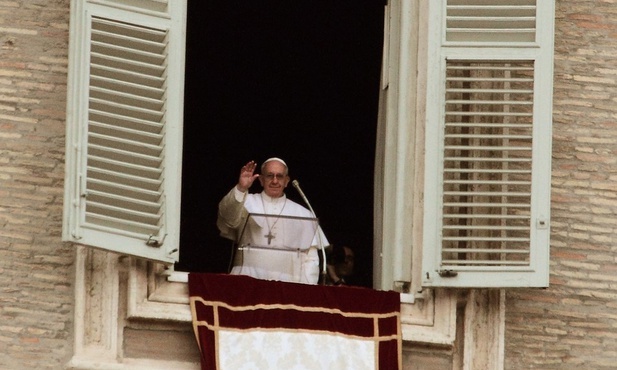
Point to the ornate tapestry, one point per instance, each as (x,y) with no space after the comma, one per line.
(243,323)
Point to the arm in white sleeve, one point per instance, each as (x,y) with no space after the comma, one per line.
(231,213)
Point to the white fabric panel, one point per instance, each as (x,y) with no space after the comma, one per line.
(293,350)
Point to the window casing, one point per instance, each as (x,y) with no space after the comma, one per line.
(488,128)
(124,123)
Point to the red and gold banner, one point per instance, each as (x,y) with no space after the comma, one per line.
(246,323)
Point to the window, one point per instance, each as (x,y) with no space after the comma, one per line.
(463,167)
(125,139)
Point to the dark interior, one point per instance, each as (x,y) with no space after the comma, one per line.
(296,79)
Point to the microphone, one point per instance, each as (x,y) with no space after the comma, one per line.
(296,185)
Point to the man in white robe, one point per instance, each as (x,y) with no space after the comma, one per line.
(278,239)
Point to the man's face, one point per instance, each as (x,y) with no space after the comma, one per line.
(345,268)
(274,179)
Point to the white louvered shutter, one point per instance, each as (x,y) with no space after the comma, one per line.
(488,143)
(124,126)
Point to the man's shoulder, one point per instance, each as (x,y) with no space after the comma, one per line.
(297,208)
(252,200)
(253,195)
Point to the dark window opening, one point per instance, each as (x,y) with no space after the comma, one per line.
(294,79)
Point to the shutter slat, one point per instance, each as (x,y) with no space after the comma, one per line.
(486,79)
(488,136)
(494,5)
(482,159)
(143,155)
(489,114)
(125,189)
(146,33)
(484,125)
(488,102)
(123,178)
(484,250)
(137,82)
(125,99)
(154,46)
(136,135)
(153,91)
(128,167)
(124,63)
(486,148)
(492,31)
(489,171)
(485,182)
(113,225)
(140,56)
(133,123)
(481,265)
(130,205)
(508,66)
(482,193)
(485,205)
(486,216)
(127,110)
(147,6)
(496,239)
(471,227)
(490,21)
(489,91)
(504,19)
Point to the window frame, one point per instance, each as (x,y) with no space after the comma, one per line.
(428,315)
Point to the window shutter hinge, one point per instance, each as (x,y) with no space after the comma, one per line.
(75,235)
(407,296)
(402,286)
(447,273)
(153,241)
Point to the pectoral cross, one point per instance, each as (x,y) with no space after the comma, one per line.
(270,236)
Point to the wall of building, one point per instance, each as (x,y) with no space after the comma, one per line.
(36,292)
(573,323)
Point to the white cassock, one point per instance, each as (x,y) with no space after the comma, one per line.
(273,247)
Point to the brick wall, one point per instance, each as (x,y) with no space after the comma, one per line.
(573,324)
(36,294)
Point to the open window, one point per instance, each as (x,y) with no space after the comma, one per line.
(463,169)
(125,134)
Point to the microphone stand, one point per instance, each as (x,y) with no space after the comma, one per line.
(323,250)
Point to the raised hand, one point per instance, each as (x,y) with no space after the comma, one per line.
(247,176)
